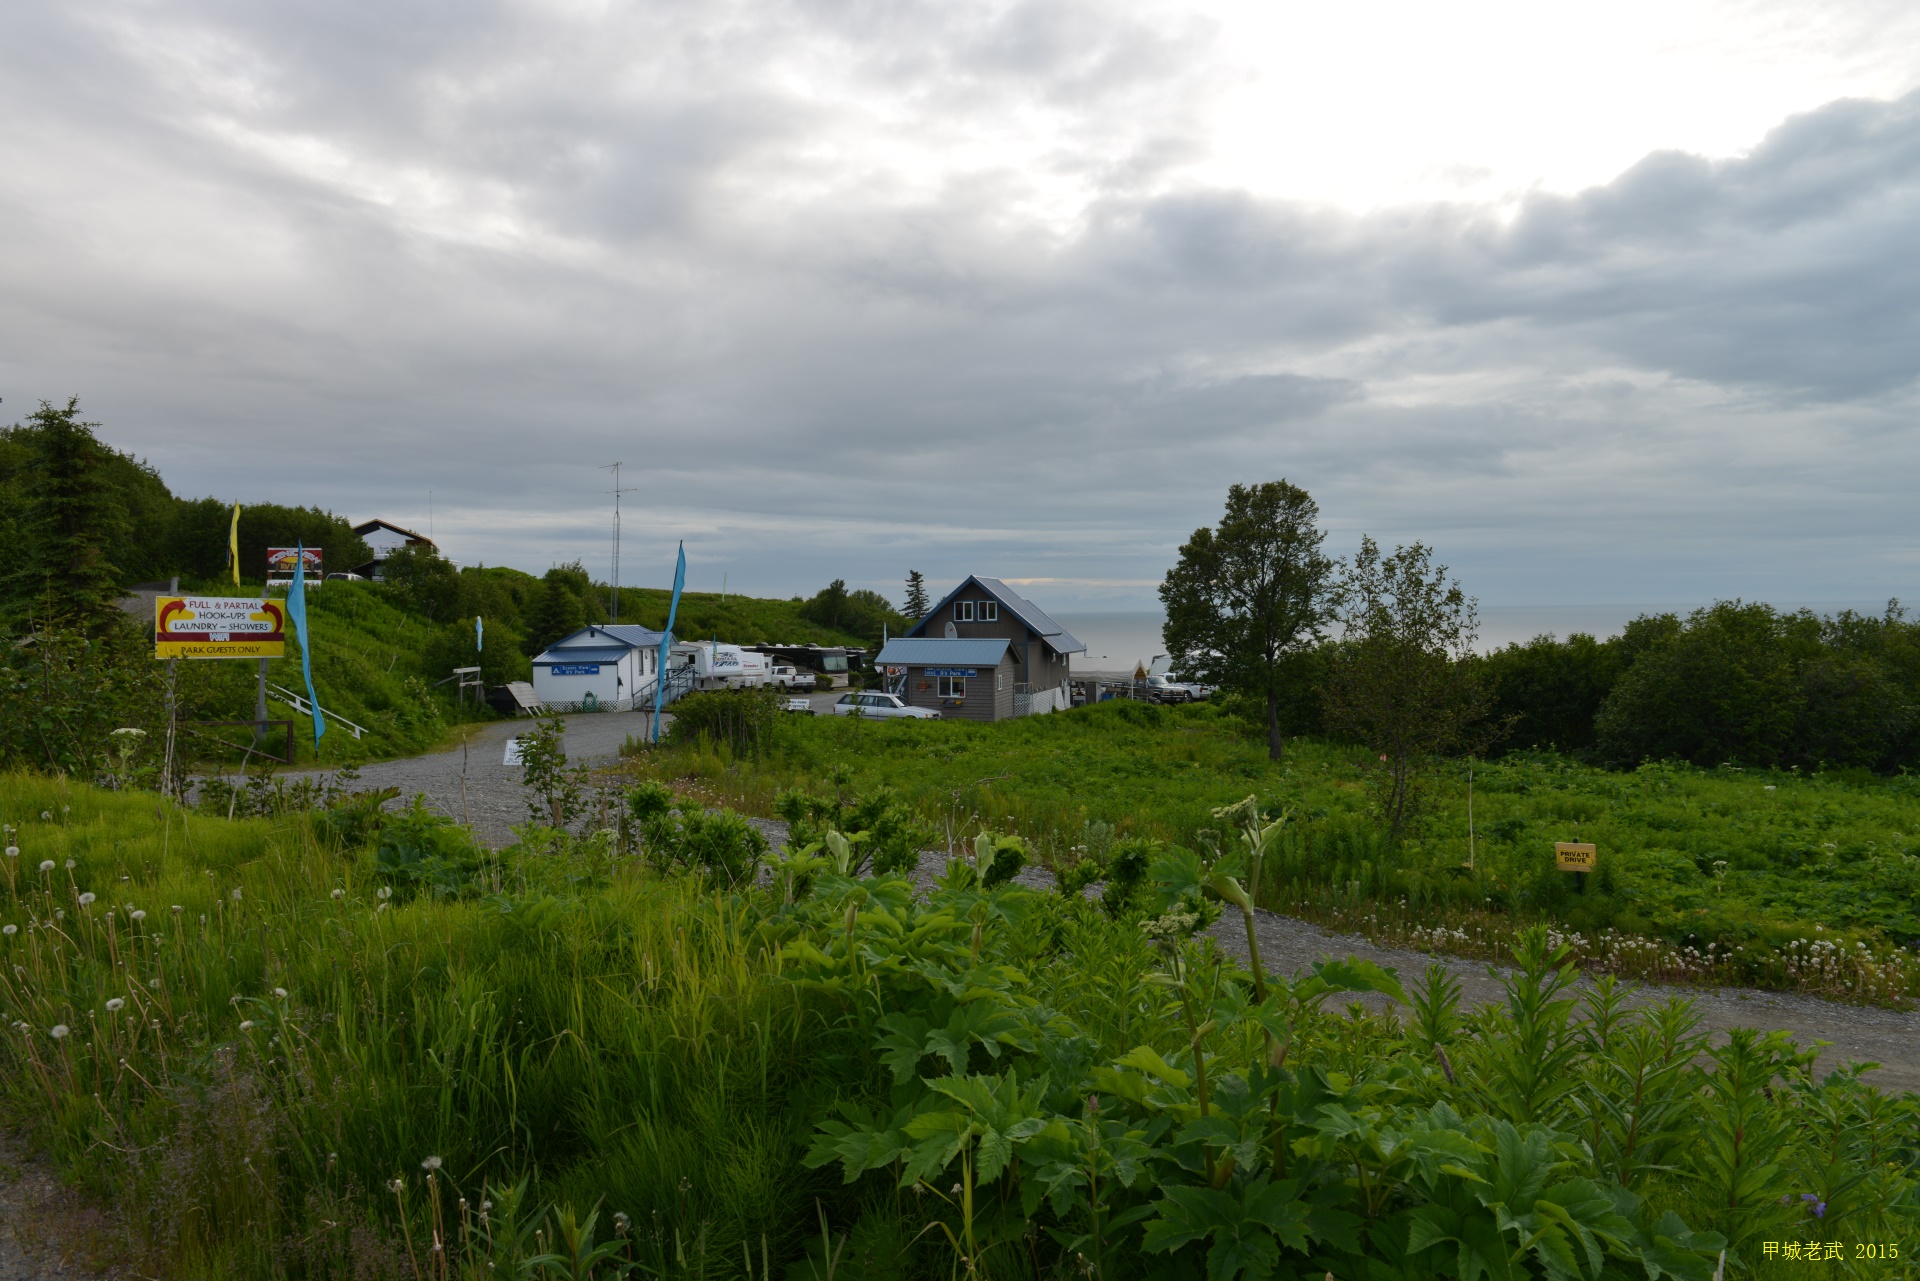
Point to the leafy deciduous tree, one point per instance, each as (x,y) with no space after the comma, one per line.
(1247,597)
(1404,680)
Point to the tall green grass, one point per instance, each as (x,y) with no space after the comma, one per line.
(1785,875)
(275,1066)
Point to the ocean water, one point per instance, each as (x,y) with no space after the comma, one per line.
(1117,641)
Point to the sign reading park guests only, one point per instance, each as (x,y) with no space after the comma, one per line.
(218,627)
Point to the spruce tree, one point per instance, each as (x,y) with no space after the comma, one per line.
(916,604)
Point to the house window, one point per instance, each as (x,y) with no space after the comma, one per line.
(989,611)
(951,686)
(963,611)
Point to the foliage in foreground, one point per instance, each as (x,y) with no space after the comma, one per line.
(282,1060)
(1806,882)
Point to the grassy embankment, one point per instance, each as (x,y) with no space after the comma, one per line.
(738,620)
(272,1068)
(1779,879)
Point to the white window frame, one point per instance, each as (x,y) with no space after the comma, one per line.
(963,611)
(950,687)
(987,611)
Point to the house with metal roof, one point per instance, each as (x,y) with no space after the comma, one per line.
(985,628)
(602,667)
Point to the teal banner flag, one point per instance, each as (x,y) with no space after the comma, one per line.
(297,611)
(666,639)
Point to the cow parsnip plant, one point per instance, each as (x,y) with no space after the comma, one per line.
(587,1062)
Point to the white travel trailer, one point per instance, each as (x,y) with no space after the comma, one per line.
(720,666)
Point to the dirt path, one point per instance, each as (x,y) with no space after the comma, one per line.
(47,1229)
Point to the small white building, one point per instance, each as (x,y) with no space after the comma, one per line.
(602,667)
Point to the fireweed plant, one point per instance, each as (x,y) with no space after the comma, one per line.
(278,1057)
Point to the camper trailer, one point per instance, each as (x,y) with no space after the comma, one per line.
(721,666)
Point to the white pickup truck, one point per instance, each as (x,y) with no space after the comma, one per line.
(788,677)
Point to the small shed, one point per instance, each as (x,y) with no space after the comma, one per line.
(604,667)
(962,679)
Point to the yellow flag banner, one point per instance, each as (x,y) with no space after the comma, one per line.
(233,544)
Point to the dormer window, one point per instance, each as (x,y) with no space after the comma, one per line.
(988,611)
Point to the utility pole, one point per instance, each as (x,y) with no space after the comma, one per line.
(616,491)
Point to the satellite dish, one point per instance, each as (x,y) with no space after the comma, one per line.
(953,633)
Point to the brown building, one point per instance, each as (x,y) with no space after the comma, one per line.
(1031,673)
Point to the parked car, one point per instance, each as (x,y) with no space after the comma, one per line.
(881,705)
(1165,689)
(800,705)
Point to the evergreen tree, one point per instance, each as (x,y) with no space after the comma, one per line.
(74,519)
(917,604)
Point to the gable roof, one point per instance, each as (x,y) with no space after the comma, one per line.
(604,641)
(366,527)
(939,651)
(1031,615)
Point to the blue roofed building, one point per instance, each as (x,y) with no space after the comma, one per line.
(983,653)
(604,667)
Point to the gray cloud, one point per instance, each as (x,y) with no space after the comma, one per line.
(809,269)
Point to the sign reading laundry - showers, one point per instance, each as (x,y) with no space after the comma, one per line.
(218,627)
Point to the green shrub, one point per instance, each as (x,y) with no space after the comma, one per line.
(424,853)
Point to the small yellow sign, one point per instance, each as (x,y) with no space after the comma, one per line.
(1572,856)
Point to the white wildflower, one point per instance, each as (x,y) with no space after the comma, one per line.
(46,865)
(59,1032)
(137,914)
(280,992)
(431,1163)
(86,900)
(115,1005)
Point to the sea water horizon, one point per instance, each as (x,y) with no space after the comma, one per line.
(1119,640)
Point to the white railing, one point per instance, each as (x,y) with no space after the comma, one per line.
(299,704)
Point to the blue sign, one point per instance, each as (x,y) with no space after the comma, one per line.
(949,671)
(575,669)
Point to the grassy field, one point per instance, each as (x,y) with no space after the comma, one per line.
(1776,878)
(301,1048)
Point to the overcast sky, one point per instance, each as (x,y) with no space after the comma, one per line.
(1607,302)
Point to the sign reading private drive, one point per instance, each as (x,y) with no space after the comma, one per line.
(218,627)
(1573,856)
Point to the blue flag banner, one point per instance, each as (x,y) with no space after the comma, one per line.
(666,639)
(297,611)
(479,636)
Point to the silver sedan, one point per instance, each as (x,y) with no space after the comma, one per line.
(881,705)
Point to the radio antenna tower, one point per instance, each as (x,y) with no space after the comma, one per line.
(616,491)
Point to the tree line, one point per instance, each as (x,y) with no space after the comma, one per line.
(1381,650)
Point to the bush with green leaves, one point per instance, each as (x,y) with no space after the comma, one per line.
(887,832)
(420,852)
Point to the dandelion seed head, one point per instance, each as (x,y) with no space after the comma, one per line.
(72,863)
(58,1032)
(236,894)
(246,1025)
(386,891)
(86,900)
(177,909)
(115,1005)
(10,930)
(337,894)
(137,914)
(431,1163)
(46,865)
(13,851)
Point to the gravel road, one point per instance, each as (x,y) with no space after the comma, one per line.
(494,800)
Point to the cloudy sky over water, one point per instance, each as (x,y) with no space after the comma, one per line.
(1607,302)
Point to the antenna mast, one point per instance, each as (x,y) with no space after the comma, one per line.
(616,491)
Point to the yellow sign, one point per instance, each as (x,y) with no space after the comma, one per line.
(1573,856)
(218,627)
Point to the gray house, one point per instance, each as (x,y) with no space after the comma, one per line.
(986,609)
(960,679)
